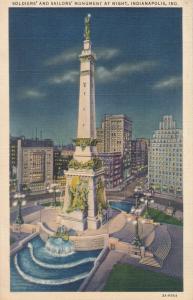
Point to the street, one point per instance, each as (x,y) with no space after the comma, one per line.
(125,194)
(128,191)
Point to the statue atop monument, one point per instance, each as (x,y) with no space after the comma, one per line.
(87,27)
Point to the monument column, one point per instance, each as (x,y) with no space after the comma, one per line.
(85,171)
(86,131)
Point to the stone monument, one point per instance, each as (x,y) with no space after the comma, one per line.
(85,200)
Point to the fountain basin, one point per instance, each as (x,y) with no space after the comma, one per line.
(34,269)
(59,247)
(121,205)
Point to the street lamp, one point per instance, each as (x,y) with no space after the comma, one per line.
(19,201)
(147,200)
(137,196)
(54,189)
(107,219)
(136,241)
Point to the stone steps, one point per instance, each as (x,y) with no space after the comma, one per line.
(150,261)
(162,243)
(83,243)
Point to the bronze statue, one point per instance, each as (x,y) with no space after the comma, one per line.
(87,27)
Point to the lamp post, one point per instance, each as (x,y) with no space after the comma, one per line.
(54,189)
(137,196)
(147,200)
(19,201)
(107,220)
(136,200)
(136,241)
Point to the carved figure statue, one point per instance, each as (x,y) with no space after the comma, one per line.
(87,27)
(78,194)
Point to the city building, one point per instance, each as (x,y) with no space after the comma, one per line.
(61,181)
(61,159)
(13,164)
(100,139)
(68,150)
(115,135)
(13,156)
(139,156)
(60,162)
(165,158)
(112,163)
(34,164)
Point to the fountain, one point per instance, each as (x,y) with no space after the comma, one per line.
(59,244)
(54,266)
(59,247)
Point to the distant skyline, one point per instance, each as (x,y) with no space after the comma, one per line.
(138,68)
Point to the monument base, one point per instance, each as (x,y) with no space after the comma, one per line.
(75,220)
(81,183)
(93,223)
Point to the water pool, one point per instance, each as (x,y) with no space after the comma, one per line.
(35,269)
(121,205)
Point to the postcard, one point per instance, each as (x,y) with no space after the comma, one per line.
(96,153)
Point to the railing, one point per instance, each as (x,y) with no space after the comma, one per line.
(23,242)
(97,263)
(45,229)
(149,239)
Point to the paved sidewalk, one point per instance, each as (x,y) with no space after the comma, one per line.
(48,216)
(99,279)
(173,264)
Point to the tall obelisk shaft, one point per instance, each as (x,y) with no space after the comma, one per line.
(86,115)
(86,132)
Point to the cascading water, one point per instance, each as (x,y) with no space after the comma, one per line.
(59,266)
(50,266)
(59,247)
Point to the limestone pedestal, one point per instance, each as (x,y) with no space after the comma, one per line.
(75,220)
(78,220)
(86,154)
(93,223)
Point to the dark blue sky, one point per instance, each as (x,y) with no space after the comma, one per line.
(138,68)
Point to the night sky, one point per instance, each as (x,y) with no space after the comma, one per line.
(138,68)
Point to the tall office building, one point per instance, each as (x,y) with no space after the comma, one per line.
(34,164)
(13,156)
(100,139)
(61,159)
(112,163)
(115,135)
(165,158)
(139,155)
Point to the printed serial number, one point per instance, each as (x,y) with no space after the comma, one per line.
(169,295)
